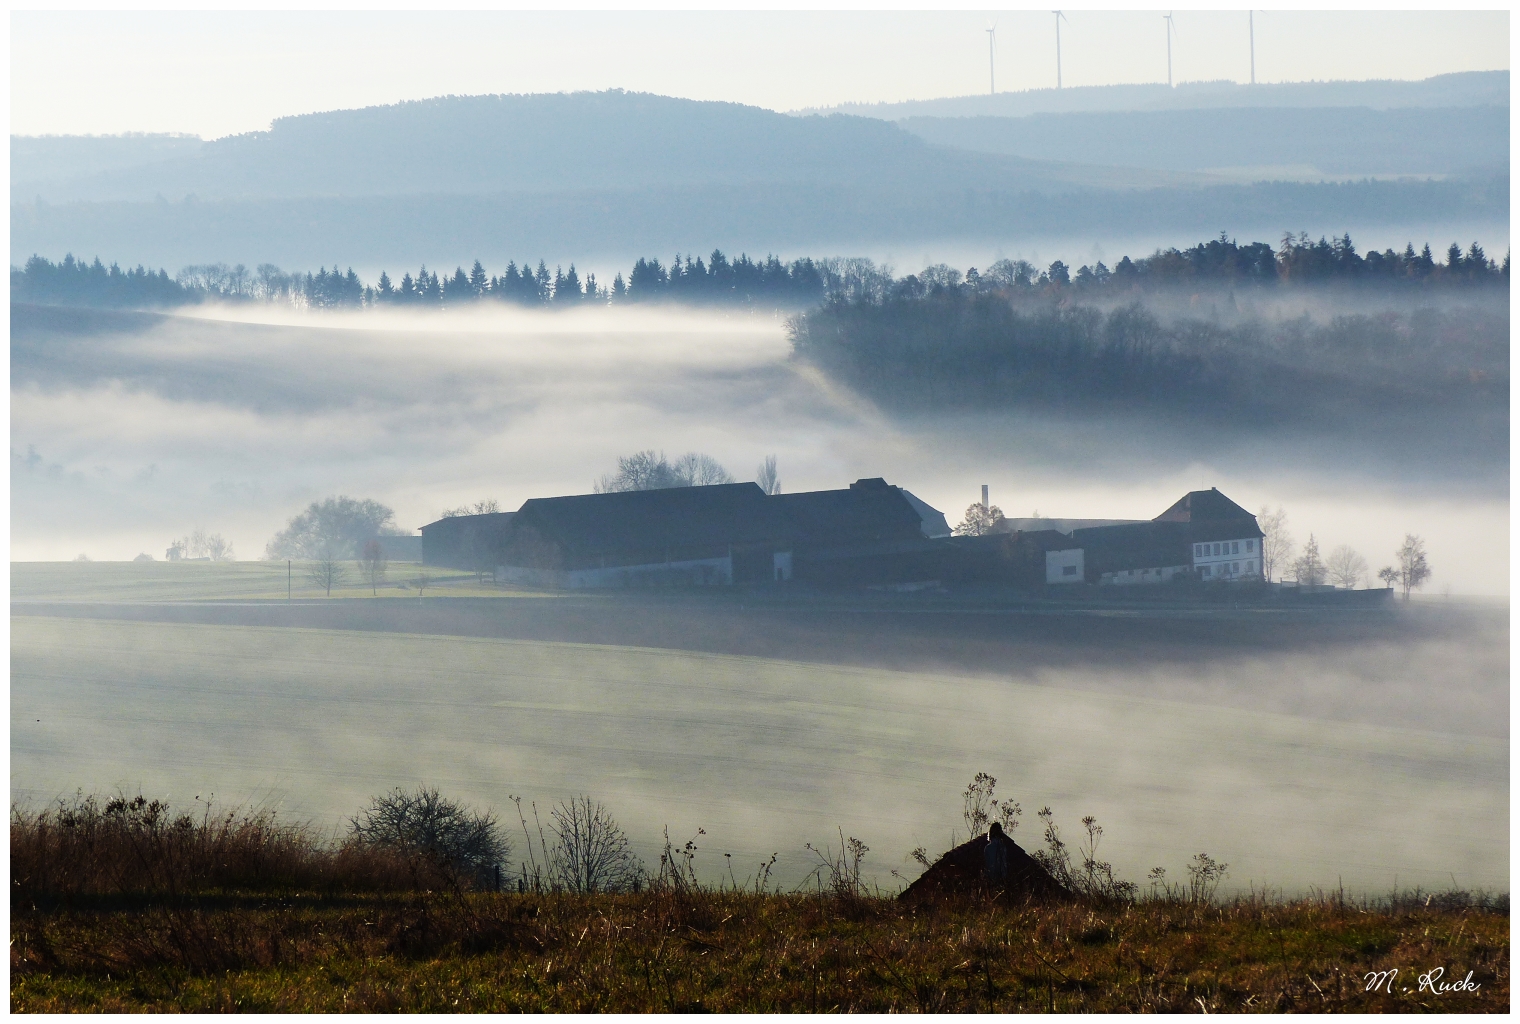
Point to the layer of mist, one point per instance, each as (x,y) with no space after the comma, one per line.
(619,223)
(129,430)
(764,755)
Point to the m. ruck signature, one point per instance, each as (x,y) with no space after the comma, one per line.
(1430,981)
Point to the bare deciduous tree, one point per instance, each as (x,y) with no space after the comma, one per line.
(372,565)
(428,823)
(1276,541)
(979,520)
(651,471)
(1413,570)
(421,581)
(591,853)
(327,572)
(480,508)
(766,476)
(1345,567)
(335,527)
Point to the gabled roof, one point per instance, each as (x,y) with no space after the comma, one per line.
(595,524)
(1203,507)
(870,510)
(932,519)
(450,524)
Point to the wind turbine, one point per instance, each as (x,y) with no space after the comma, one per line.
(1059,18)
(1252,22)
(1170,28)
(992,59)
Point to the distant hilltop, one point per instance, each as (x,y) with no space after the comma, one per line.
(1463,89)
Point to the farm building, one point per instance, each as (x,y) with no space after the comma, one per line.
(726,533)
(868,534)
(465,542)
(1203,534)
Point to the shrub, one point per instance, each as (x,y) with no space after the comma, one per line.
(463,841)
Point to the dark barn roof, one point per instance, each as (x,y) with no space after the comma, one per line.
(671,524)
(464,542)
(599,525)
(869,511)
(1203,507)
(1049,540)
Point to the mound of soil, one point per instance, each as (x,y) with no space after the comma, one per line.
(961,872)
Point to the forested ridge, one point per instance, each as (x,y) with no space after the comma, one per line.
(957,349)
(765,283)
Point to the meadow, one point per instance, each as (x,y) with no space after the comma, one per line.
(741,952)
(147,582)
(130,906)
(764,754)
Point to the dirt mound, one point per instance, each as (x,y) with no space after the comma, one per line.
(960,872)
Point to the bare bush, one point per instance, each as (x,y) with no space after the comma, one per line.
(327,572)
(135,845)
(590,851)
(468,842)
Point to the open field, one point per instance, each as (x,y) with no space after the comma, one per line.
(673,952)
(147,582)
(765,754)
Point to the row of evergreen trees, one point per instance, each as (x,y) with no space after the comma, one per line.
(768,283)
(1220,261)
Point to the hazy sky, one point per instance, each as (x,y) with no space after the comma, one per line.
(216,73)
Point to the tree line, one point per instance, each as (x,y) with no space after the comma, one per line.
(768,283)
(953,348)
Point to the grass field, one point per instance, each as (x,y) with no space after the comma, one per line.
(673,952)
(764,754)
(136,582)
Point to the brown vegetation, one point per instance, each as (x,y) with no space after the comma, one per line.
(672,951)
(125,906)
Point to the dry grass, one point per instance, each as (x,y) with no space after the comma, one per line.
(125,907)
(136,847)
(726,951)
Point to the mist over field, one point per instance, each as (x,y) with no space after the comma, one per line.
(131,429)
(1305,756)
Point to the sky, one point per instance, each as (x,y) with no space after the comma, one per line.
(218,73)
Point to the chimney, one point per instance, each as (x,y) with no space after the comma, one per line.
(984,496)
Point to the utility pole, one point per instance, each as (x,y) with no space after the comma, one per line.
(287,579)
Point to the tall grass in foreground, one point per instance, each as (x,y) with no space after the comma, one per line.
(122,847)
(673,951)
(124,905)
